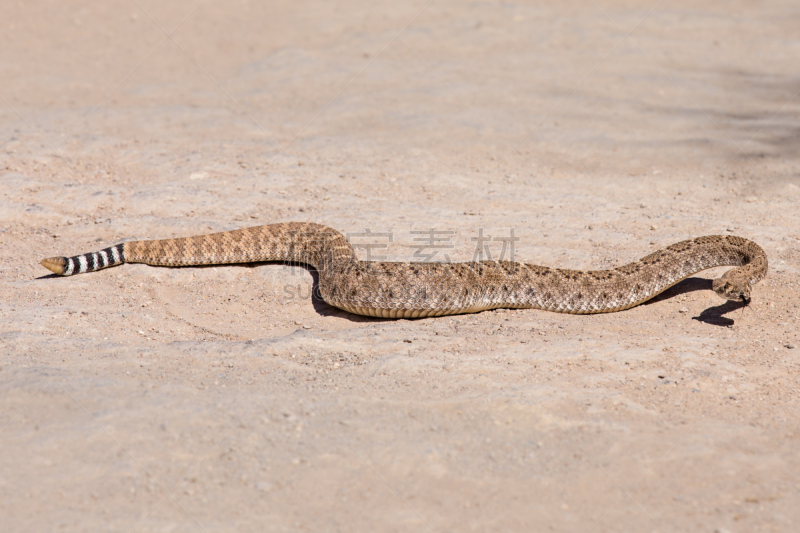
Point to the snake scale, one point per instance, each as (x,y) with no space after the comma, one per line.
(420,289)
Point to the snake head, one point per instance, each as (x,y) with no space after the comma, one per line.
(738,291)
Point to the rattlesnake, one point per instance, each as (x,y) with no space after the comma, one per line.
(420,289)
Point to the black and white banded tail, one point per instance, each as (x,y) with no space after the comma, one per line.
(67,266)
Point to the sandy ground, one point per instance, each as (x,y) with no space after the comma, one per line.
(224,399)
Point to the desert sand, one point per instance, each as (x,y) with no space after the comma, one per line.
(228,399)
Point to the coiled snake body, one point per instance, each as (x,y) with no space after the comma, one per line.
(410,290)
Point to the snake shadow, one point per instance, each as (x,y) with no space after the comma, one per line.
(320,306)
(325,309)
(713,315)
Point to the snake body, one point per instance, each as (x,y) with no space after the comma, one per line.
(419,289)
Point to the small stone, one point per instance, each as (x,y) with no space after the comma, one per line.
(306,326)
(264,486)
(653,227)
(683,310)
(790,346)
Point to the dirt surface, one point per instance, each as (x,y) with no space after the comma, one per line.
(225,399)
